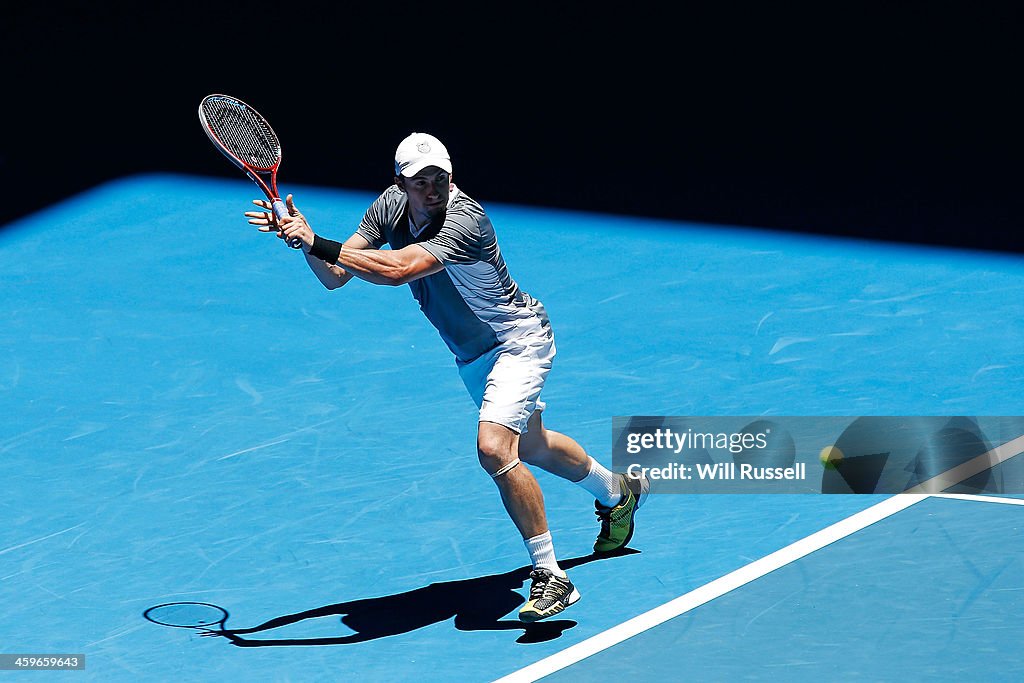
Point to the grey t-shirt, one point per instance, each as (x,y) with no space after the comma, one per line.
(474,303)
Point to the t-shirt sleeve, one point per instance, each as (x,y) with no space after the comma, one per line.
(371,228)
(458,241)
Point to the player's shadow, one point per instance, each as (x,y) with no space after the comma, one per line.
(478,604)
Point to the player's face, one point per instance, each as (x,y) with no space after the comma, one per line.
(428,192)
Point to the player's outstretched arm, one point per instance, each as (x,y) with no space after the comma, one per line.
(353,257)
(389,267)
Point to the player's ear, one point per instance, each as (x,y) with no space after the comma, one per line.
(400,183)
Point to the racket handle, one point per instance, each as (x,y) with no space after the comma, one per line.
(280,210)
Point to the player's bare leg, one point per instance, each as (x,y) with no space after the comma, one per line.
(618,496)
(550,590)
(496,447)
(552,451)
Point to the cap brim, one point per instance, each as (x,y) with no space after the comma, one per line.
(420,164)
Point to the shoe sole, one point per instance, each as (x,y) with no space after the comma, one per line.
(531,617)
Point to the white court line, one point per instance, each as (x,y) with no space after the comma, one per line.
(980,499)
(769,563)
(715,589)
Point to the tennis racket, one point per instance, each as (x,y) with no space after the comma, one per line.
(247,140)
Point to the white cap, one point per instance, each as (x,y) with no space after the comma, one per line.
(418,151)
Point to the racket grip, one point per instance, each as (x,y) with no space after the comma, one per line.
(280,210)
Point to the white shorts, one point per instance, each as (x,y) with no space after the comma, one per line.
(506,381)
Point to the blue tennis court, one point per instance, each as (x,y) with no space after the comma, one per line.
(191,417)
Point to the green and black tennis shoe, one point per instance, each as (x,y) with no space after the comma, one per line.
(617,522)
(549,595)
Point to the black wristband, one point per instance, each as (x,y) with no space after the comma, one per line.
(326,250)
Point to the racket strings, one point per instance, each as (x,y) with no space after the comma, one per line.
(242,132)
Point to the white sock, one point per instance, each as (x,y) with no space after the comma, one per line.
(602,483)
(542,553)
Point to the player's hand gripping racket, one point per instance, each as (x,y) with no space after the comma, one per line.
(248,141)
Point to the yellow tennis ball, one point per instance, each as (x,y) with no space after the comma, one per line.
(830,457)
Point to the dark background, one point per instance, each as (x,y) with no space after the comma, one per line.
(858,119)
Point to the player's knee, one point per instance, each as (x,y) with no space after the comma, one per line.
(494,454)
(491,459)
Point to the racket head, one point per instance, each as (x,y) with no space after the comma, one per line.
(200,615)
(240,132)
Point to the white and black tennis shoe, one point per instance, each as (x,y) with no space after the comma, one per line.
(549,595)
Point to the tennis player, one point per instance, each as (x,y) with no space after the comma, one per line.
(442,244)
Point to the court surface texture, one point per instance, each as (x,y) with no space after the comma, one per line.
(190,417)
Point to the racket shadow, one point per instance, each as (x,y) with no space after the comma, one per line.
(477,604)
